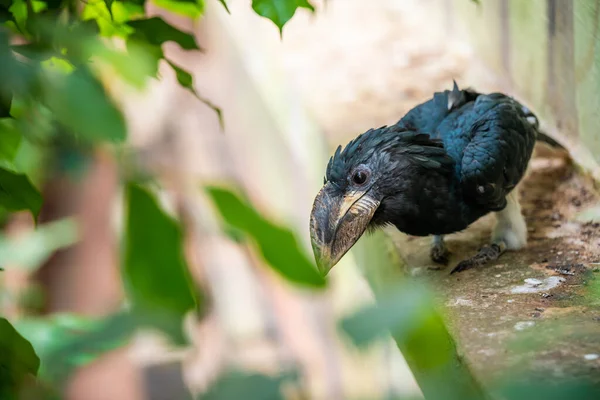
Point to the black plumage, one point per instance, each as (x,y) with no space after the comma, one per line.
(445,164)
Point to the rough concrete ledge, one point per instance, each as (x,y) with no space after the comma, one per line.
(536,311)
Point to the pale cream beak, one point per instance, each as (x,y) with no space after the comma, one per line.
(337,222)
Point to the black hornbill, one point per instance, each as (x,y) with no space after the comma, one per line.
(445,164)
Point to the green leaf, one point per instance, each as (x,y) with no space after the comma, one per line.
(186,80)
(146,51)
(109,4)
(18,360)
(5,15)
(225,5)
(79,102)
(127,11)
(399,311)
(277,244)
(235,385)
(34,51)
(31,250)
(19,12)
(279,11)
(67,341)
(156,31)
(155,271)
(5,103)
(189,8)
(135,65)
(10,139)
(59,65)
(17,193)
(110,16)
(17,77)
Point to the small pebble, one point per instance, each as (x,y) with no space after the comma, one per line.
(533,285)
(533,281)
(522,325)
(591,357)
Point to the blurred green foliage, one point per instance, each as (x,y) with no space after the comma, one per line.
(18,360)
(277,244)
(234,385)
(65,342)
(156,274)
(398,310)
(29,251)
(279,11)
(56,58)
(17,193)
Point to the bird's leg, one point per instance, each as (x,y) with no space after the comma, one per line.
(439,252)
(510,233)
(486,254)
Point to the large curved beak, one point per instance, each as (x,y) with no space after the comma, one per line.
(337,221)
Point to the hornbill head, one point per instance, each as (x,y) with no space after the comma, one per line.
(356,182)
(367,184)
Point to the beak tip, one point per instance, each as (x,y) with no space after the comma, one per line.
(324,266)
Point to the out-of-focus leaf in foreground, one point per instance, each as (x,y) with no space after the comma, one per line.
(186,80)
(224,3)
(109,16)
(189,8)
(279,11)
(135,66)
(17,193)
(235,385)
(18,360)
(79,101)
(156,31)
(11,139)
(5,104)
(399,311)
(156,274)
(66,342)
(29,251)
(277,244)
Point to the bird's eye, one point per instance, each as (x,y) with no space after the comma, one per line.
(360,177)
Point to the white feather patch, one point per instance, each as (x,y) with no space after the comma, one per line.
(511,228)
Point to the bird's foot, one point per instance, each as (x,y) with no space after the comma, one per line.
(483,256)
(439,253)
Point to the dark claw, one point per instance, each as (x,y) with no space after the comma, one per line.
(485,255)
(463,266)
(439,254)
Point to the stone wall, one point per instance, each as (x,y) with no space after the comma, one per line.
(546,52)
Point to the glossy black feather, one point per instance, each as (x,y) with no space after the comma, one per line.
(445,164)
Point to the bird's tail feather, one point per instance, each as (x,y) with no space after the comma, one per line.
(541,136)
